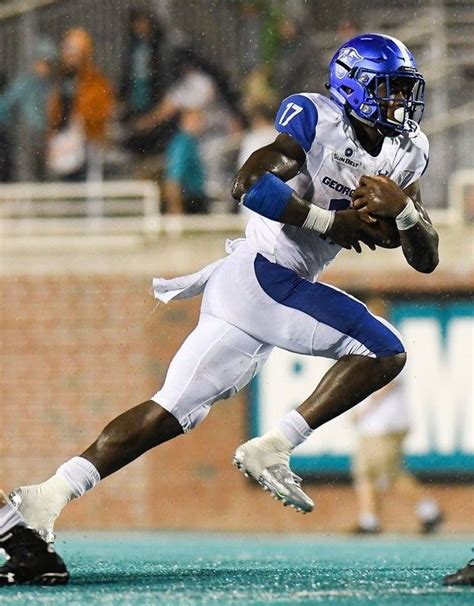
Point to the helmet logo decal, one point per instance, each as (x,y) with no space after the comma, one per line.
(349,56)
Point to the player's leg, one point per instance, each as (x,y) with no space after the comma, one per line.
(385,455)
(313,319)
(130,435)
(406,486)
(368,521)
(31,561)
(427,510)
(214,363)
(124,439)
(364,471)
(348,382)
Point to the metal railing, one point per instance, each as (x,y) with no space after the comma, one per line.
(134,207)
(15,8)
(98,208)
(79,208)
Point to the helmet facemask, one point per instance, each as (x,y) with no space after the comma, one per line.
(391,102)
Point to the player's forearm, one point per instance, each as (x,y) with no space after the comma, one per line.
(418,237)
(420,246)
(274,199)
(296,211)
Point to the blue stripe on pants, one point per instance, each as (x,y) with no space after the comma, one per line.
(328,306)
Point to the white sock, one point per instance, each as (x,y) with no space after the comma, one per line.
(80,474)
(368,521)
(42,503)
(270,449)
(427,510)
(9,517)
(295,428)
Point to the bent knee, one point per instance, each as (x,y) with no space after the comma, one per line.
(390,367)
(398,361)
(187,416)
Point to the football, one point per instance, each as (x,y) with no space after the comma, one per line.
(388,234)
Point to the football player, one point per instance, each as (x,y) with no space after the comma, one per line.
(31,560)
(343,170)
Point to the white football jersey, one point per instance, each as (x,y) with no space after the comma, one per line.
(335,161)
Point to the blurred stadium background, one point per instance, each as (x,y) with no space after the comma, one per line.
(81,336)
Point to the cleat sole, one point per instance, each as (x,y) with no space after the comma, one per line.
(50,578)
(238,464)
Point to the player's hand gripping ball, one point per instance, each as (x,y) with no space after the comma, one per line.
(386,234)
(379,200)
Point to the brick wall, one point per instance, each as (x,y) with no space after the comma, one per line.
(76,351)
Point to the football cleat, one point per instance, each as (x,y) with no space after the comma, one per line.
(276,478)
(34,507)
(31,561)
(463,576)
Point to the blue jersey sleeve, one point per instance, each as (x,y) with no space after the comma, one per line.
(298,117)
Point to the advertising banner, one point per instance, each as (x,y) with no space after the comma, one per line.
(437,384)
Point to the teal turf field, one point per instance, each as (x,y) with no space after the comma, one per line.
(186,569)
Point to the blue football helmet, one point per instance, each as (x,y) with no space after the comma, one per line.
(372,72)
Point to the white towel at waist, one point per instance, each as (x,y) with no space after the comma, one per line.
(185,287)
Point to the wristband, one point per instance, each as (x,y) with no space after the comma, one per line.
(319,219)
(408,217)
(269,196)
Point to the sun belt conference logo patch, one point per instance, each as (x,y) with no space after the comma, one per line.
(348,56)
(346,159)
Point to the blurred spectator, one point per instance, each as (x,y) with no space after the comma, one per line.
(297,66)
(223,123)
(261,132)
(5,156)
(382,424)
(81,106)
(346,30)
(468,202)
(250,23)
(148,71)
(29,94)
(259,20)
(184,184)
(257,89)
(198,85)
(145,75)
(5,145)
(193,89)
